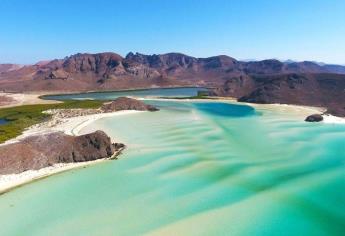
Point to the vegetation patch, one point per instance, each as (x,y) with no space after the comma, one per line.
(21,117)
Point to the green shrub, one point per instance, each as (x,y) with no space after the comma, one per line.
(22,117)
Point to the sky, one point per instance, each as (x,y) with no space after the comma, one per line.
(36,30)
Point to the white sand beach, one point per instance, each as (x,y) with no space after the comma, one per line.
(297,110)
(18,99)
(74,125)
(11,181)
(71,126)
(333,119)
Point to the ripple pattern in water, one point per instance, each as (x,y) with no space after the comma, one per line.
(195,169)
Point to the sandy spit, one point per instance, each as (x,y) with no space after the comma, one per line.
(71,126)
(25,99)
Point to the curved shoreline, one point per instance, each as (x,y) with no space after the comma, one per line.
(71,126)
(45,96)
(298,110)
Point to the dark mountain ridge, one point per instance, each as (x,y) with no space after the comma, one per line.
(318,89)
(266,81)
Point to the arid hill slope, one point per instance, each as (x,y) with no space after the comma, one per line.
(322,90)
(266,81)
(106,71)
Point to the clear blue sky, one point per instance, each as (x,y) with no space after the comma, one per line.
(33,30)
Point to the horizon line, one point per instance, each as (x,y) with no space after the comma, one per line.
(241,60)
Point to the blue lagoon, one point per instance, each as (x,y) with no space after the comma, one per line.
(195,168)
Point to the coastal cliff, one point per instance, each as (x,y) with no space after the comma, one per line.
(36,152)
(319,90)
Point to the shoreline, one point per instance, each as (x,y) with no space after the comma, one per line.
(298,110)
(44,95)
(13,181)
(301,111)
(70,126)
(330,119)
(20,99)
(74,125)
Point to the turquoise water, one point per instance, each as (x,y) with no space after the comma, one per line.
(195,168)
(158,92)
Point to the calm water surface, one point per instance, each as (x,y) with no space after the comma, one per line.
(158,92)
(195,168)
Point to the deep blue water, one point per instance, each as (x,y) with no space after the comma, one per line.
(225,109)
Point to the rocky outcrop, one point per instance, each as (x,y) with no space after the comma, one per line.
(57,74)
(320,90)
(267,81)
(314,118)
(36,152)
(125,103)
(106,71)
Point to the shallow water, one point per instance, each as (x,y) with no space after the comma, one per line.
(195,168)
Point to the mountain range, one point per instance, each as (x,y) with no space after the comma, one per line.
(266,81)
